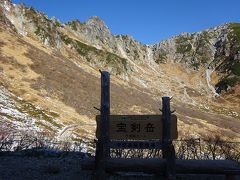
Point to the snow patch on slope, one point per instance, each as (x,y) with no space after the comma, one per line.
(9,112)
(208,79)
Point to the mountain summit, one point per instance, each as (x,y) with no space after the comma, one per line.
(50,81)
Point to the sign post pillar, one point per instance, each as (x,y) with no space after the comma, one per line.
(168,150)
(103,149)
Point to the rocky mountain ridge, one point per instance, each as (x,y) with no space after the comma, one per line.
(56,61)
(196,49)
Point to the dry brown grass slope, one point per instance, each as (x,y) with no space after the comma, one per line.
(55,83)
(70,88)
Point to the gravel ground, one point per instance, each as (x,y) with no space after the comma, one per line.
(51,166)
(42,167)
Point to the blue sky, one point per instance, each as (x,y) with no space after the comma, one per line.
(148,21)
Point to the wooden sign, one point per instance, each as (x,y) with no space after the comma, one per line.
(137,127)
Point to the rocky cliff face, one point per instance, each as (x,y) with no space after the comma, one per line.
(45,58)
(216,48)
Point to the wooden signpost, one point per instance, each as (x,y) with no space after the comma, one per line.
(133,132)
(145,132)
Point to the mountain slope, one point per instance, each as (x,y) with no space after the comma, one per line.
(53,69)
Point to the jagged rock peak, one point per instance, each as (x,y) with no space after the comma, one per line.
(96,21)
(93,22)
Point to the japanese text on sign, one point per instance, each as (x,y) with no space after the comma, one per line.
(138,127)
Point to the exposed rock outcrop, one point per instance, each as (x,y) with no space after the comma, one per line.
(59,63)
